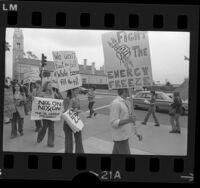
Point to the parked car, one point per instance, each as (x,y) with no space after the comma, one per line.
(83,90)
(163,101)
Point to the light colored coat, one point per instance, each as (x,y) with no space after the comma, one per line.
(19,107)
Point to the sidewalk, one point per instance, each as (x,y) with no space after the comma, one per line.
(96,137)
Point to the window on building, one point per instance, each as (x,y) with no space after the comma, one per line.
(101,81)
(84,81)
(18,45)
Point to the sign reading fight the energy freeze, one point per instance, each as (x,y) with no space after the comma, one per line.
(45,108)
(67,70)
(127,59)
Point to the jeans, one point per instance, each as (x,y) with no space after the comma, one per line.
(69,140)
(90,106)
(38,124)
(174,120)
(121,147)
(151,111)
(14,121)
(47,124)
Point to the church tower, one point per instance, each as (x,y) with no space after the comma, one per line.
(18,50)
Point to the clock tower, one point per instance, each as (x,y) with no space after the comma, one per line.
(18,51)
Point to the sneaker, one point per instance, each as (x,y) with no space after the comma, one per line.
(143,123)
(89,117)
(157,125)
(172,131)
(179,132)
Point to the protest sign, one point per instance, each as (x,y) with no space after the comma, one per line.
(45,108)
(9,106)
(31,76)
(52,78)
(127,59)
(67,70)
(73,120)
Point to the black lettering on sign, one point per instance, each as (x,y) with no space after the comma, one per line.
(68,56)
(63,81)
(117,84)
(116,73)
(138,82)
(123,37)
(74,73)
(62,73)
(111,84)
(74,116)
(145,70)
(122,73)
(110,74)
(57,56)
(137,73)
(138,52)
(129,73)
(124,83)
(130,82)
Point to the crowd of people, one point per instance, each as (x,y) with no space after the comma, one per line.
(22,102)
(122,116)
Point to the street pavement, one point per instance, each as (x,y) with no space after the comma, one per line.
(97,134)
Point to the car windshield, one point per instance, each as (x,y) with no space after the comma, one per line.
(165,97)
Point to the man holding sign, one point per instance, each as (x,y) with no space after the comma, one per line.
(122,120)
(128,65)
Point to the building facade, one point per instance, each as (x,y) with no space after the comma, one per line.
(89,74)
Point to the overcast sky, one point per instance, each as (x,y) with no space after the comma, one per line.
(167,49)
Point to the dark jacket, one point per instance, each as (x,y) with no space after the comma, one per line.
(177,105)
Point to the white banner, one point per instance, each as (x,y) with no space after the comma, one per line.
(31,76)
(67,70)
(52,78)
(73,120)
(127,59)
(45,108)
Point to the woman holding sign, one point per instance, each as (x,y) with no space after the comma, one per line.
(18,116)
(72,101)
(47,124)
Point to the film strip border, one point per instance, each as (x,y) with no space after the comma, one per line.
(110,17)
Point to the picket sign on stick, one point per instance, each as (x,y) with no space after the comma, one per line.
(127,61)
(67,70)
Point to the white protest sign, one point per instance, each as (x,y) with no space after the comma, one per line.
(45,108)
(52,78)
(73,120)
(67,70)
(31,76)
(127,59)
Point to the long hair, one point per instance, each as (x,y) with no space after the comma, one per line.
(45,86)
(32,84)
(20,88)
(69,93)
